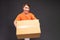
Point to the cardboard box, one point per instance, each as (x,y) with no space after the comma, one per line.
(28,29)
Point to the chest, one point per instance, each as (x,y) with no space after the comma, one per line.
(25,17)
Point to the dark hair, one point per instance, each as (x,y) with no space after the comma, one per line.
(26,4)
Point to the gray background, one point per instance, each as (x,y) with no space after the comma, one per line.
(46,11)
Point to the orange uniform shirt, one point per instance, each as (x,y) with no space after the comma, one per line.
(24,16)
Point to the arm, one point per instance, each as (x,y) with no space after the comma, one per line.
(15,23)
(17,19)
(33,16)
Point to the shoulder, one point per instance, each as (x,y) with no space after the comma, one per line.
(31,13)
(20,14)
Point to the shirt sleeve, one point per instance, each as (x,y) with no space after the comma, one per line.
(33,16)
(18,17)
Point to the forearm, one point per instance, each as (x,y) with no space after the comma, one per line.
(15,23)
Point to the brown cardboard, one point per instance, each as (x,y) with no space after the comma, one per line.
(28,29)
